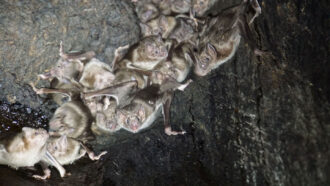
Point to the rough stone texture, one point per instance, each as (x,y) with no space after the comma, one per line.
(31,31)
(253,121)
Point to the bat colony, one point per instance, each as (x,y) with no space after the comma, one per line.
(97,99)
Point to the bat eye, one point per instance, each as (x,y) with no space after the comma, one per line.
(55,148)
(206,59)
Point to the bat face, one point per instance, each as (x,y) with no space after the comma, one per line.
(162,72)
(106,119)
(65,150)
(156,48)
(162,25)
(181,6)
(205,59)
(35,137)
(129,122)
(57,146)
(105,123)
(132,118)
(146,12)
(183,32)
(57,124)
(150,29)
(66,69)
(70,119)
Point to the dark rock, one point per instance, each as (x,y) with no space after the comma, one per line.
(253,121)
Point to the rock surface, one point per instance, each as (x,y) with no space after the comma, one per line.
(31,32)
(253,121)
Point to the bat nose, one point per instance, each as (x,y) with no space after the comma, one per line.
(135,128)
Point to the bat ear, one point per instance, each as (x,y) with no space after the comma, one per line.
(2,148)
(145,29)
(25,129)
(146,15)
(63,142)
(162,20)
(211,50)
(159,37)
(188,58)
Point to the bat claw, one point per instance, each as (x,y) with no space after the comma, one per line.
(38,177)
(171,132)
(120,49)
(44,177)
(262,53)
(66,175)
(184,86)
(36,90)
(93,157)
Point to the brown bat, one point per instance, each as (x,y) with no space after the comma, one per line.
(120,92)
(146,10)
(74,117)
(144,108)
(168,7)
(200,7)
(174,70)
(125,75)
(71,119)
(67,150)
(145,55)
(96,75)
(184,31)
(28,148)
(180,6)
(69,66)
(164,6)
(105,120)
(64,93)
(162,25)
(221,37)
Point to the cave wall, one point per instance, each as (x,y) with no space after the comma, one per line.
(252,121)
(31,32)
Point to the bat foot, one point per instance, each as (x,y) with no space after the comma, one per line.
(36,90)
(67,174)
(93,157)
(184,86)
(171,132)
(44,177)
